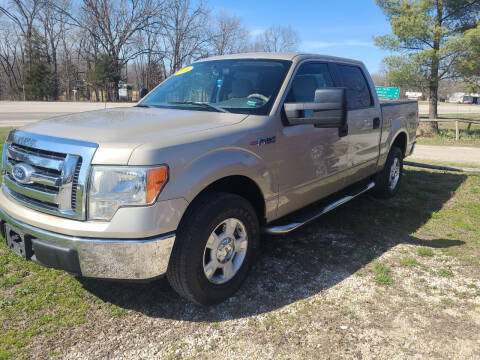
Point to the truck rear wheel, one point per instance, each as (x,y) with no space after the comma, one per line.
(214,249)
(387,181)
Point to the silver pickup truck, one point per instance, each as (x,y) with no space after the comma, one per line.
(185,182)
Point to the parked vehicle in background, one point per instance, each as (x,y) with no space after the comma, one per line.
(184,183)
(462,98)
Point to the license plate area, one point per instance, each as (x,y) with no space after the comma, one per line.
(18,242)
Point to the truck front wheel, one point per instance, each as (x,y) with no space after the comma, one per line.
(387,181)
(214,249)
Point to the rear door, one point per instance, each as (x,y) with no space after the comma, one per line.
(364,121)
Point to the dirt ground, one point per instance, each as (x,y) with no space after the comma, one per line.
(396,279)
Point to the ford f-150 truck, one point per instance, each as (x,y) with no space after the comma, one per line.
(185,182)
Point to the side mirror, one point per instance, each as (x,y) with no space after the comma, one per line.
(328,111)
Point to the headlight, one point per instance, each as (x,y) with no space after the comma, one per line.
(114,187)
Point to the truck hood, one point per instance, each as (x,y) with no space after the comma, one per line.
(119,131)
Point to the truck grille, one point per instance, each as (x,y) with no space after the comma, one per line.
(39,175)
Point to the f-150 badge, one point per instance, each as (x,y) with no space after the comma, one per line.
(264,141)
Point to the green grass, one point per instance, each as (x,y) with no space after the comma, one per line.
(445,163)
(425,252)
(409,262)
(382,274)
(3,133)
(446,134)
(445,273)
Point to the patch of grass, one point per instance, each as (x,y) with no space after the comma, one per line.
(3,133)
(382,274)
(446,134)
(425,252)
(409,262)
(117,311)
(445,273)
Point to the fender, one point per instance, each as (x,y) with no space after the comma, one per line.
(398,127)
(218,164)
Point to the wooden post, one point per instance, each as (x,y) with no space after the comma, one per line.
(457,135)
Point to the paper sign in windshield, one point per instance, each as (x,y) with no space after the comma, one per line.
(184,70)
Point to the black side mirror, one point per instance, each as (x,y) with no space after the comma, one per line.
(328,111)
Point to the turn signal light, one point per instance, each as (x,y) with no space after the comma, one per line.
(156,179)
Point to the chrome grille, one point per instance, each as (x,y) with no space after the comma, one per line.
(46,173)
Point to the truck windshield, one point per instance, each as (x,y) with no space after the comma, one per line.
(245,86)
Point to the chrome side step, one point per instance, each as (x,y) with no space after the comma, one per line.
(282,229)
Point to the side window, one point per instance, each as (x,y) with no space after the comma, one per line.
(309,78)
(358,93)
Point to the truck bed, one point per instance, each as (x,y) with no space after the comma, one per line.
(401,111)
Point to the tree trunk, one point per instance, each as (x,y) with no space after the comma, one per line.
(432,127)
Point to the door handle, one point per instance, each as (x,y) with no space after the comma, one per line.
(376,123)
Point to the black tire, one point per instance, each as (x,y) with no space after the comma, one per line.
(185,271)
(383,186)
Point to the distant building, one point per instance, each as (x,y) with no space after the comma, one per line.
(463,98)
(413,95)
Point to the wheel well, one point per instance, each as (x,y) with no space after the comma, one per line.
(241,186)
(401,142)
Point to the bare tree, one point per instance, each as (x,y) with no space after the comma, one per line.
(185,32)
(54,28)
(10,59)
(228,35)
(24,13)
(50,47)
(278,39)
(113,24)
(149,64)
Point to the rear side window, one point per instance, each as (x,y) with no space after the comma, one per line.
(309,77)
(358,93)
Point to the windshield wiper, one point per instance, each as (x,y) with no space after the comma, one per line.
(143,106)
(197,103)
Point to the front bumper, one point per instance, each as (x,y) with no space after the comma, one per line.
(122,259)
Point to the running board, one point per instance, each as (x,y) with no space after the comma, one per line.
(283,229)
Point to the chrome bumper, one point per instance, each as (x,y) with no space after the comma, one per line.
(122,259)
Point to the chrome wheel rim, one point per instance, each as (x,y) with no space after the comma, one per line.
(394,174)
(225,251)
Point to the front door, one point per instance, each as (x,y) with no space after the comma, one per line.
(311,159)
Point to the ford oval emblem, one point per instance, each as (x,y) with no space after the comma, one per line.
(22,173)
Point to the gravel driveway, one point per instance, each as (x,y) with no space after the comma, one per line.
(375,279)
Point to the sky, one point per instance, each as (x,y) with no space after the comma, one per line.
(330,27)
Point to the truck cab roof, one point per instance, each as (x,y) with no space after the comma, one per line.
(282,56)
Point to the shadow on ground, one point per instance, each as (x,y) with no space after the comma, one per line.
(312,259)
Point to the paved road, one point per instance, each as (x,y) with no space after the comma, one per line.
(447,154)
(15,119)
(17,113)
(451,108)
